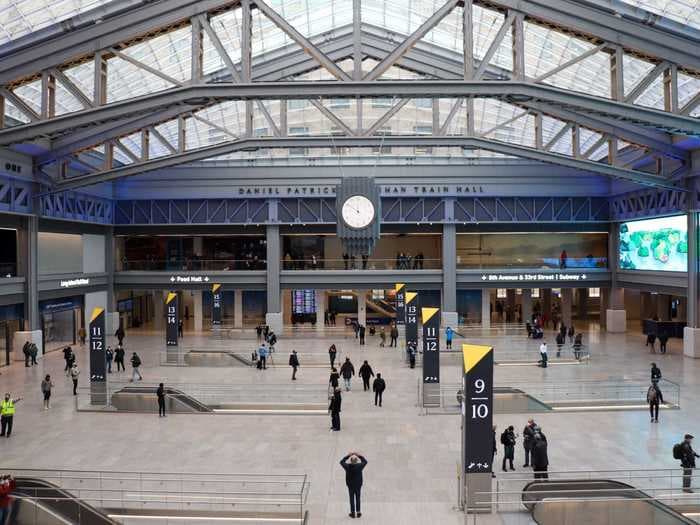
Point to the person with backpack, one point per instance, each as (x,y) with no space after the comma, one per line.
(332,353)
(540,459)
(26,352)
(353,464)
(685,453)
(528,440)
(654,398)
(655,373)
(67,351)
(119,355)
(74,373)
(46,386)
(334,409)
(109,356)
(294,363)
(334,378)
(508,442)
(394,335)
(366,373)
(347,371)
(449,333)
(136,365)
(378,386)
(262,357)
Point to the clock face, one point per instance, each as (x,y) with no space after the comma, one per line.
(358,212)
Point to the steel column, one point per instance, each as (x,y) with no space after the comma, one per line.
(273,269)
(31,301)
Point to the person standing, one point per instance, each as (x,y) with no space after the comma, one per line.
(109,355)
(528,440)
(82,335)
(571,333)
(448,337)
(494,451)
(366,373)
(334,379)
(262,357)
(119,355)
(46,386)
(378,386)
(361,331)
(655,373)
(7,487)
(136,365)
(294,363)
(26,352)
(347,371)
(684,451)
(161,400)
(67,351)
(543,354)
(382,337)
(7,414)
(651,340)
(334,409)
(74,373)
(560,339)
(578,346)
(394,335)
(332,352)
(508,442)
(663,340)
(353,464)
(119,334)
(540,460)
(180,328)
(258,331)
(654,398)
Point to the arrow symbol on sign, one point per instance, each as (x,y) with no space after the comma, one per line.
(172,279)
(206,279)
(471,466)
(483,277)
(584,276)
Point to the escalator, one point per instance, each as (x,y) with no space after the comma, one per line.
(601,502)
(38,502)
(381,308)
(143,399)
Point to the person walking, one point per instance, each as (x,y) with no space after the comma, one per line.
(334,379)
(262,357)
(180,328)
(119,355)
(543,354)
(67,351)
(334,409)
(272,340)
(46,386)
(663,340)
(109,356)
(294,363)
(366,373)
(571,333)
(528,440)
(382,337)
(82,335)
(361,331)
(654,398)
(160,393)
(136,365)
(684,451)
(508,442)
(7,414)
(394,335)
(448,337)
(74,373)
(578,346)
(560,340)
(258,331)
(332,353)
(119,334)
(655,373)
(494,451)
(7,487)
(356,328)
(651,340)
(347,371)
(27,354)
(353,464)
(378,386)
(540,460)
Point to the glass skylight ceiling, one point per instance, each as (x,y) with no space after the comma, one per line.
(169,53)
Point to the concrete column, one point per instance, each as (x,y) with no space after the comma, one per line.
(616,315)
(582,303)
(159,309)
(527,304)
(510,305)
(691,333)
(320,308)
(604,305)
(31,274)
(567,302)
(362,307)
(111,313)
(273,318)
(486,308)
(238,308)
(198,310)
(546,294)
(449,275)
(287,306)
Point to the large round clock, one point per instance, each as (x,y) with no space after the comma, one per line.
(358,212)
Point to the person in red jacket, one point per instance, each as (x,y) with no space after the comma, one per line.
(7,486)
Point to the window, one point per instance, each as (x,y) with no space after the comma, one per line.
(536,293)
(384,131)
(423,130)
(297,104)
(425,103)
(501,293)
(338,150)
(261,132)
(298,131)
(594,292)
(381,102)
(340,103)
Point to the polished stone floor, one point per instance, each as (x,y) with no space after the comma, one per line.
(413,458)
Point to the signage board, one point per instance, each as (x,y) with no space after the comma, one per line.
(477,408)
(431,345)
(530,277)
(411,322)
(400,299)
(172,319)
(98,357)
(72,283)
(216,304)
(189,279)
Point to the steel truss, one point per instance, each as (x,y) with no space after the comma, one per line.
(616,118)
(652,203)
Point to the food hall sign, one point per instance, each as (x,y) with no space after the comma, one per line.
(524,277)
(189,279)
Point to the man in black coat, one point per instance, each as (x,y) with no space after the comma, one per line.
(378,386)
(655,373)
(334,408)
(540,460)
(347,371)
(294,363)
(366,373)
(354,464)
(361,331)
(528,439)
(688,456)
(394,335)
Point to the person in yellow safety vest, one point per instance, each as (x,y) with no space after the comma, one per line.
(7,412)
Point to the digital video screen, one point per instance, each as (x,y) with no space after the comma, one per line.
(655,244)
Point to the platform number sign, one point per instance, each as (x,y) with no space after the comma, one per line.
(411,322)
(98,356)
(400,298)
(172,319)
(217,300)
(477,411)
(431,345)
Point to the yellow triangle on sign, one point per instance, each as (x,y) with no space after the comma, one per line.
(473,354)
(95,313)
(215,288)
(170,297)
(427,313)
(410,296)
(399,286)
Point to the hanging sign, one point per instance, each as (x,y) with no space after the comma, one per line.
(217,300)
(400,303)
(477,412)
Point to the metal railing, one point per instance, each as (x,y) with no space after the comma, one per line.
(190,265)
(209,394)
(125,492)
(539,263)
(357,263)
